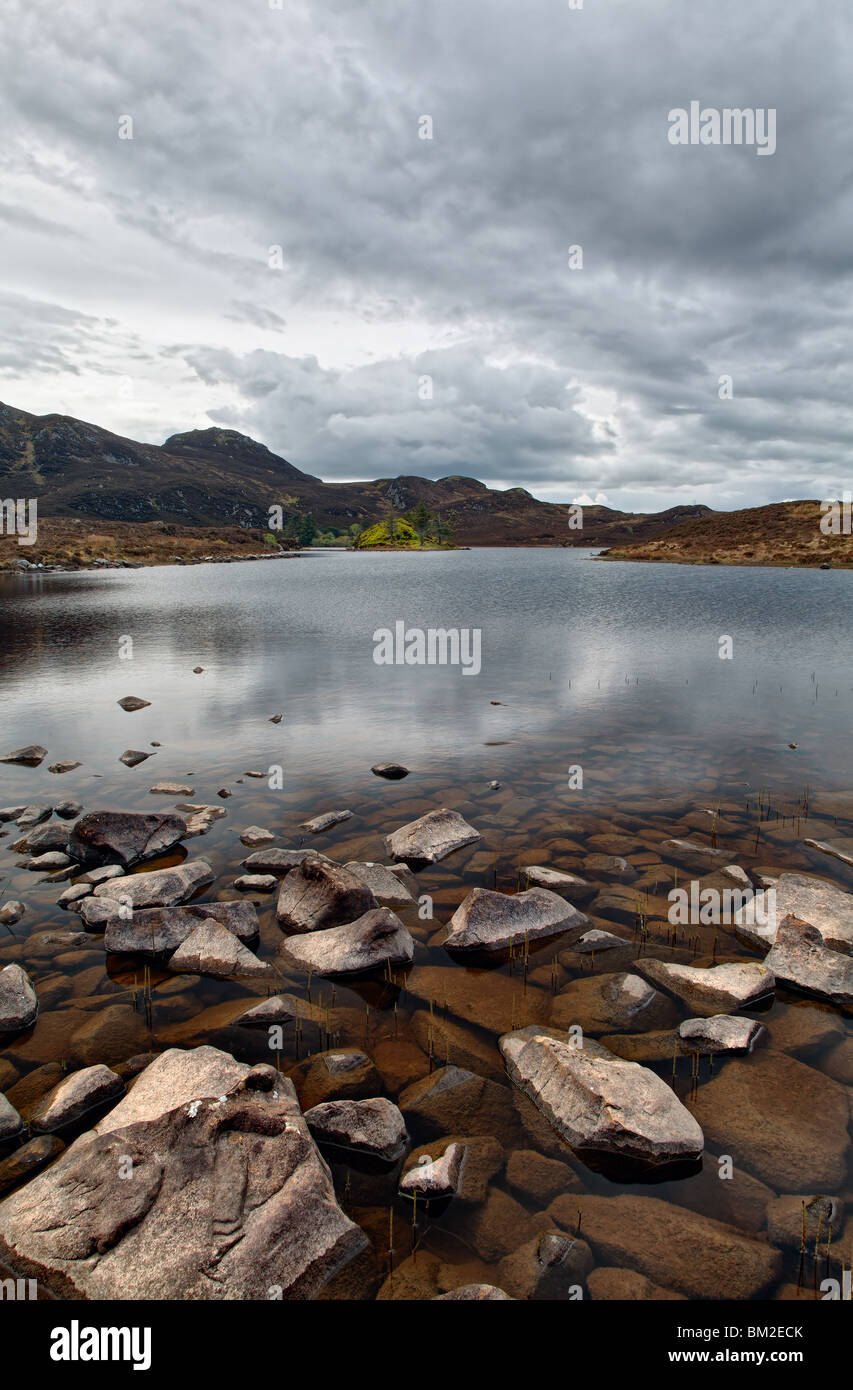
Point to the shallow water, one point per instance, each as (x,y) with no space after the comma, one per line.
(612,668)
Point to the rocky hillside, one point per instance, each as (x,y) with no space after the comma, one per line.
(781,533)
(217,477)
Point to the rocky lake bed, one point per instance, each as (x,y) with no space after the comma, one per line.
(446,1043)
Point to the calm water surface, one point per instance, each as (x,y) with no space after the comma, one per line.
(610,667)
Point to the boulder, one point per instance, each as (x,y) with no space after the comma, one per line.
(387,888)
(49,862)
(715,989)
(392,771)
(375,1127)
(489,921)
(229,1200)
(11,912)
(814,900)
(161,887)
(318,894)
(124,837)
(800,960)
(211,949)
(378,938)
(133,702)
(18,1002)
(158,930)
(675,1248)
(82,1091)
(482,1160)
(431,838)
(45,839)
(601,1105)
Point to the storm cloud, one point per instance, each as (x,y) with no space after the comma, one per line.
(279,250)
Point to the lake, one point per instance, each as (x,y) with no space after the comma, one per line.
(603,709)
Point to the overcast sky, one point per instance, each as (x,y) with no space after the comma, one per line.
(136,279)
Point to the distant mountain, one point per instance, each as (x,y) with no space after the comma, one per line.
(217,477)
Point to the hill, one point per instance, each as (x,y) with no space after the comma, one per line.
(781,533)
(221,478)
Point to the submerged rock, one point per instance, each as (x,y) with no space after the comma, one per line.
(601,1104)
(211,949)
(431,838)
(378,938)
(229,1199)
(552,1266)
(617,1002)
(156,931)
(124,837)
(673,1247)
(161,887)
(474,1293)
(817,1219)
(27,1160)
(78,1093)
(319,893)
(489,921)
(18,1001)
(11,912)
(324,822)
(688,854)
(374,1127)
(713,990)
(66,765)
(30,756)
(800,960)
(783,1121)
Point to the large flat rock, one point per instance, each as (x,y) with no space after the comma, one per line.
(124,837)
(801,960)
(489,921)
(431,838)
(162,888)
(615,1002)
(810,899)
(376,939)
(229,1199)
(710,990)
(158,930)
(601,1104)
